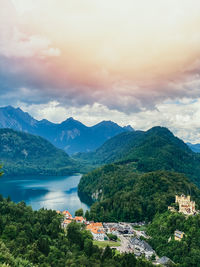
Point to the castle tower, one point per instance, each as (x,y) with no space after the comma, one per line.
(186,206)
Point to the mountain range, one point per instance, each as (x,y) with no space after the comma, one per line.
(70,135)
(26,154)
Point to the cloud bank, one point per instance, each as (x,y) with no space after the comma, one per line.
(114,57)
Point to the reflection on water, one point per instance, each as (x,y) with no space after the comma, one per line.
(54,192)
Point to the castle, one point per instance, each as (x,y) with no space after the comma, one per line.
(186,206)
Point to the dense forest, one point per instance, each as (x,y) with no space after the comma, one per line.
(185,252)
(120,193)
(22,153)
(35,238)
(155,149)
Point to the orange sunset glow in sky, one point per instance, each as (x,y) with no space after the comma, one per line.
(123,60)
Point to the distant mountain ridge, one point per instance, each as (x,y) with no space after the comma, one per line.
(26,154)
(70,135)
(194,147)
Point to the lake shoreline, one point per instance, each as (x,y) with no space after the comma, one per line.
(49,192)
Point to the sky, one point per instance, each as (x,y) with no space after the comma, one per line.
(134,62)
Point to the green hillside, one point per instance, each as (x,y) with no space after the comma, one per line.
(22,153)
(155,149)
(123,194)
(114,149)
(185,252)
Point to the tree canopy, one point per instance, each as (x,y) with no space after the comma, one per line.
(185,252)
(36,238)
(120,193)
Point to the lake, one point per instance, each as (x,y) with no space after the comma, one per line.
(52,192)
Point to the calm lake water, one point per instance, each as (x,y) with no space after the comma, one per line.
(58,193)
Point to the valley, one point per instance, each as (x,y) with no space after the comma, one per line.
(131,178)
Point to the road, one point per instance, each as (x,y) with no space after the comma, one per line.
(125,244)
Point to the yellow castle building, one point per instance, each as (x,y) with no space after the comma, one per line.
(186,206)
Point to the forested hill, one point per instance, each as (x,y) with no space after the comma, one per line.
(122,194)
(185,253)
(155,149)
(22,153)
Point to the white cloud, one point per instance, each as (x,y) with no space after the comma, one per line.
(117,59)
(18,44)
(21,46)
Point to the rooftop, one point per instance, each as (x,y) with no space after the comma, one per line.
(97,231)
(141,243)
(79,218)
(165,260)
(66,212)
(179,232)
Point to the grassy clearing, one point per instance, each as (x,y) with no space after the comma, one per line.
(140,228)
(103,244)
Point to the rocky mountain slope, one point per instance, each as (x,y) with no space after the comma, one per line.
(70,135)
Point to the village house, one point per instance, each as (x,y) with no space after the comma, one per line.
(165,261)
(67,215)
(98,234)
(79,219)
(66,222)
(112,230)
(142,247)
(97,230)
(95,225)
(178,235)
(118,228)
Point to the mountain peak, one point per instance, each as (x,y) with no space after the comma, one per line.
(45,122)
(160,129)
(105,123)
(16,118)
(7,107)
(11,108)
(71,122)
(70,119)
(128,128)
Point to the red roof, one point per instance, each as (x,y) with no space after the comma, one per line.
(66,212)
(97,231)
(79,218)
